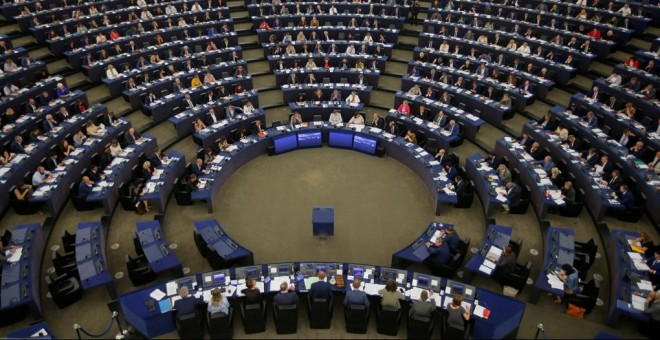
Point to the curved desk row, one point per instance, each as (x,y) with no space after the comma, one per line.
(311,109)
(503,321)
(597,196)
(391,35)
(332,75)
(22,164)
(18,100)
(57,10)
(559,249)
(90,257)
(487,184)
(340,45)
(169,105)
(54,193)
(152,242)
(543,85)
(208,137)
(183,122)
(616,121)
(582,60)
(119,84)
(417,251)
(158,188)
(643,76)
(468,122)
(290,93)
(543,193)
(625,274)
(136,97)
(335,59)
(21,277)
(492,247)
(434,134)
(211,238)
(343,7)
(332,20)
(489,110)
(24,74)
(563,73)
(119,172)
(419,161)
(648,106)
(646,180)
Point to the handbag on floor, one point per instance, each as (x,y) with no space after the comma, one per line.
(575,311)
(509,291)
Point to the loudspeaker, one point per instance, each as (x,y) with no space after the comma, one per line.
(380,151)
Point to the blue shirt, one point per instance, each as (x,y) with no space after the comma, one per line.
(573,282)
(223,307)
(356,297)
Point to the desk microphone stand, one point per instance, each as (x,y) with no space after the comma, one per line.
(540,331)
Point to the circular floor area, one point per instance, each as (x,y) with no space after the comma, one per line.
(380,206)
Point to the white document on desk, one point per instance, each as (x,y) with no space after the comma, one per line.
(171,288)
(484,269)
(639,265)
(638,302)
(157,294)
(372,288)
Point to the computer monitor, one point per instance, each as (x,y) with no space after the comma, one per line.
(188,281)
(280,269)
(366,144)
(340,139)
(454,287)
(215,278)
(311,268)
(359,270)
(252,272)
(310,139)
(285,143)
(423,281)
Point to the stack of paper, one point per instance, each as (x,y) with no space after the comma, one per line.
(157,294)
(481,312)
(372,288)
(415,293)
(640,265)
(638,302)
(494,253)
(555,282)
(274,284)
(310,281)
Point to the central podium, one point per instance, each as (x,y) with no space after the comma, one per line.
(323,221)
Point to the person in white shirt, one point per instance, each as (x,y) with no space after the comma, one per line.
(524,48)
(368,38)
(512,46)
(335,118)
(111,72)
(444,47)
(40,176)
(356,119)
(9,89)
(350,50)
(415,90)
(614,79)
(353,98)
(169,10)
(248,108)
(332,10)
(581,3)
(625,10)
(141,3)
(100,38)
(146,14)
(196,7)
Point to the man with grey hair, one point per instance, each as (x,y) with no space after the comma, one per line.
(187,304)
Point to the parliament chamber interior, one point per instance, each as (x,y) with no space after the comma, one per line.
(330,169)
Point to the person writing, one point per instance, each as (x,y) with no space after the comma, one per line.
(252,293)
(218,303)
(390,296)
(286,296)
(320,289)
(423,307)
(569,275)
(187,304)
(438,252)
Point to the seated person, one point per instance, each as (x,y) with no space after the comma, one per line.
(22,191)
(335,118)
(41,176)
(439,253)
(624,196)
(85,187)
(188,303)
(390,295)
(218,303)
(513,194)
(423,307)
(411,137)
(569,275)
(320,289)
(286,296)
(355,296)
(451,236)
(356,119)
(456,317)
(252,293)
(506,264)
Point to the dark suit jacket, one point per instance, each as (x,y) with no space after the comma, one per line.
(288,298)
(515,195)
(187,305)
(380,123)
(537,154)
(208,120)
(16,148)
(461,188)
(452,240)
(550,125)
(439,255)
(627,199)
(320,290)
(396,129)
(615,183)
(131,139)
(84,190)
(197,170)
(51,164)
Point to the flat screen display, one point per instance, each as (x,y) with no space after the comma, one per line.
(340,139)
(310,139)
(365,144)
(251,273)
(359,272)
(422,281)
(219,278)
(285,143)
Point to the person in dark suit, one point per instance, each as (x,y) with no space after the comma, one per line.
(109,119)
(567,192)
(590,120)
(52,162)
(132,136)
(286,296)
(49,123)
(211,118)
(191,184)
(355,296)
(198,168)
(258,128)
(85,187)
(17,146)
(188,304)
(525,140)
(625,197)
(31,106)
(536,151)
(252,293)
(93,173)
(514,194)
(604,168)
(452,128)
(393,128)
(505,265)
(591,158)
(423,307)
(654,268)
(450,170)
(548,122)
(150,98)
(460,187)
(320,289)
(157,158)
(451,236)
(377,121)
(439,252)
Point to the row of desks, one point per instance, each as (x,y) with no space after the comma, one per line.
(342,7)
(331,75)
(159,187)
(390,35)
(90,257)
(217,240)
(504,319)
(156,250)
(330,20)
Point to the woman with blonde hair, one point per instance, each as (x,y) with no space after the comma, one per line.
(218,302)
